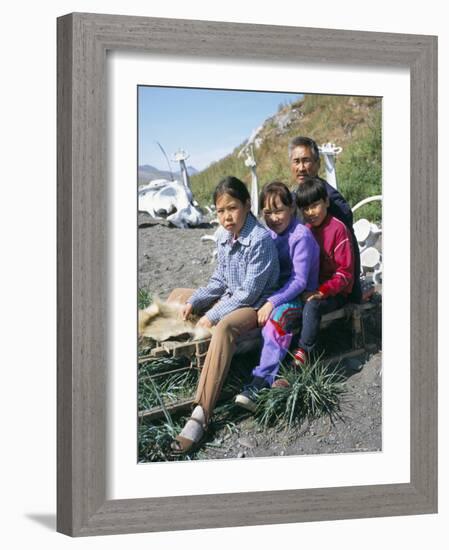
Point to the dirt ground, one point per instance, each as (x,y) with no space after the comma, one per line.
(170,257)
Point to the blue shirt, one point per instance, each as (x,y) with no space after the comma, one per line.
(246,275)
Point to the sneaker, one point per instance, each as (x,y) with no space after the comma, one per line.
(247,400)
(248,397)
(300,357)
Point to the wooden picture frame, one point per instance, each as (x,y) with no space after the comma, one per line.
(83,41)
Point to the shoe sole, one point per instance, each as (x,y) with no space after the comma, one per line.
(280,383)
(246,403)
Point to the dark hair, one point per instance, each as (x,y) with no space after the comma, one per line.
(302,141)
(311,190)
(275,189)
(234,187)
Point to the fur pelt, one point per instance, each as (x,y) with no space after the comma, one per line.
(162,320)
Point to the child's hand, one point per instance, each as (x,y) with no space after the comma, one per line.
(186,311)
(316,295)
(204,322)
(264,313)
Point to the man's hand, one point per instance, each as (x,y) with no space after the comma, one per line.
(315,295)
(264,313)
(204,322)
(186,311)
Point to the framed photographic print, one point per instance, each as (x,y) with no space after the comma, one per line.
(106,65)
(247,134)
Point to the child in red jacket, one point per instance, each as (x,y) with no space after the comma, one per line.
(336,276)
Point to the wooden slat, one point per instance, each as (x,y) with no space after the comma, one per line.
(158,412)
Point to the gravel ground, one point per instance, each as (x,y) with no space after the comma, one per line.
(358,429)
(171,257)
(174,258)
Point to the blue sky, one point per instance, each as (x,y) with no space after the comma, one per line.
(208,124)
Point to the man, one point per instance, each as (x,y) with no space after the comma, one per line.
(305,162)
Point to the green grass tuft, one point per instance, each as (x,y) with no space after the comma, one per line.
(155,440)
(143,298)
(155,437)
(314,390)
(154,392)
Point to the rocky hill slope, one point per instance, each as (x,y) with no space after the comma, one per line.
(353,123)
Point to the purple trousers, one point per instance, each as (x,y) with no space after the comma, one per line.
(277,336)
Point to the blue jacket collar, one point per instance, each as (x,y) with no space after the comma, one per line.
(245,234)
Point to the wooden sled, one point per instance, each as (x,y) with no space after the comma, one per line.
(196,351)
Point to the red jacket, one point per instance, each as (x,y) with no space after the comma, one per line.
(336,257)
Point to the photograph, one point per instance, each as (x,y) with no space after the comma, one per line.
(259,307)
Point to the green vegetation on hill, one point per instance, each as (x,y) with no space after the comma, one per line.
(353,123)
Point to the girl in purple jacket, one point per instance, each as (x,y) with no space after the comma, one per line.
(299,256)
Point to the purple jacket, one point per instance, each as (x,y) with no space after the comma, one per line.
(299,259)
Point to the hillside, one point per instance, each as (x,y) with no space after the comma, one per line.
(353,123)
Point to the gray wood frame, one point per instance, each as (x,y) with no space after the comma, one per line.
(83,40)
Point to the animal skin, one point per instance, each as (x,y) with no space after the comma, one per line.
(162,320)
